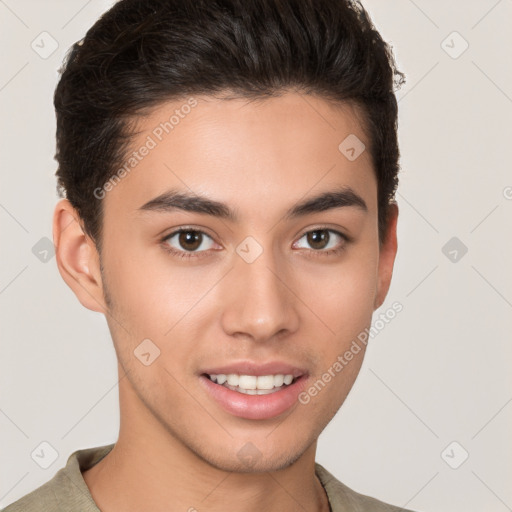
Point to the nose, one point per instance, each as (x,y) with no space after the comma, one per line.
(258,300)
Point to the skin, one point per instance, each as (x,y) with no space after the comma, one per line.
(293,303)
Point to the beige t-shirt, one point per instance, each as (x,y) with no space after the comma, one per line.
(68,492)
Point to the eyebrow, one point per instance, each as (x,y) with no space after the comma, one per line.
(180,200)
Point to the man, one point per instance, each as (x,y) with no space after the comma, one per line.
(229,170)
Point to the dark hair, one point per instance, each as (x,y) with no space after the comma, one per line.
(141,53)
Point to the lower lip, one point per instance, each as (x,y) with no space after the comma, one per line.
(254,407)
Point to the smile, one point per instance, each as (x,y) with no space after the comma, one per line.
(254,397)
(252,384)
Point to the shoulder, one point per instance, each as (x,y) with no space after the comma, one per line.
(343,498)
(67,490)
(42,499)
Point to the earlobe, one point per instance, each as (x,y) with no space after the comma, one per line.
(387,256)
(77,257)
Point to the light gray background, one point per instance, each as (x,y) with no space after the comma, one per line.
(438,373)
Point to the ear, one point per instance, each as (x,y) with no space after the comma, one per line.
(387,255)
(77,257)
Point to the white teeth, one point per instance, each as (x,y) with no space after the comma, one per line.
(247,381)
(252,391)
(251,384)
(278,380)
(232,379)
(265,382)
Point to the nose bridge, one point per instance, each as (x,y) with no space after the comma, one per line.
(261,305)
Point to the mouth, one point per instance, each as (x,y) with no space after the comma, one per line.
(255,392)
(253,384)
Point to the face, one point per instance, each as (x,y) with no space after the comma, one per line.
(253,285)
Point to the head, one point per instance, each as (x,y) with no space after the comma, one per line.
(267,132)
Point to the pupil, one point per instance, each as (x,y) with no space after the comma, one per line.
(190,237)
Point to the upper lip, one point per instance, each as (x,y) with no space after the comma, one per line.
(257,369)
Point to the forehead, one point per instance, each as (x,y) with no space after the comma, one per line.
(239,150)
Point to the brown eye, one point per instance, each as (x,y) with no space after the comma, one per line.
(323,241)
(318,239)
(189,240)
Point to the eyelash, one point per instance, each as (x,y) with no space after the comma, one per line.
(193,254)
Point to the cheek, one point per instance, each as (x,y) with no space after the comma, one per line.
(342,296)
(156,298)
(146,288)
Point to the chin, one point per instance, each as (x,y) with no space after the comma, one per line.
(253,457)
(260,464)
